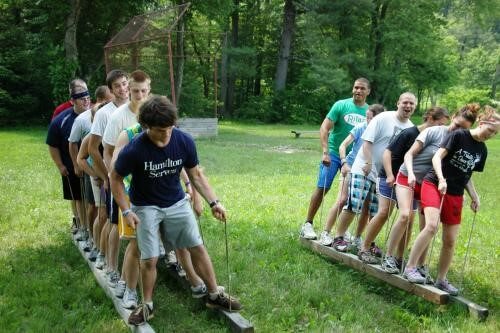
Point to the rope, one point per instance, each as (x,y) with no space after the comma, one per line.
(467,251)
(227,266)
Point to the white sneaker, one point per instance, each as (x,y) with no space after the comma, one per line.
(99,262)
(120,288)
(171,259)
(113,279)
(129,299)
(325,238)
(307,231)
(162,250)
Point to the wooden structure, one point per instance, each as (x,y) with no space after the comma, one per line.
(427,292)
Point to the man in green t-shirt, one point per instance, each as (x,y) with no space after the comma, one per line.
(343,116)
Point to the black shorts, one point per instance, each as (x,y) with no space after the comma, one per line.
(112,208)
(88,195)
(71,187)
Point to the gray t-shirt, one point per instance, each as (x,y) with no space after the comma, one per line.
(380,132)
(431,139)
(81,126)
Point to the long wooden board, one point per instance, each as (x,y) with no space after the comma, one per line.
(237,322)
(475,310)
(428,292)
(101,279)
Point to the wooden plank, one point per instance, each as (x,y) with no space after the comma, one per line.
(475,310)
(237,322)
(427,292)
(199,127)
(101,279)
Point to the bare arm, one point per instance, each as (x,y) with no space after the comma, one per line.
(387,163)
(118,190)
(471,189)
(55,154)
(367,150)
(94,142)
(437,163)
(324,130)
(121,142)
(200,182)
(73,153)
(81,158)
(414,150)
(108,154)
(342,153)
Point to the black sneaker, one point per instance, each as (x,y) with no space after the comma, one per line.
(140,315)
(224,302)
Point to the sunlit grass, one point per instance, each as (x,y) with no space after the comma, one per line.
(264,177)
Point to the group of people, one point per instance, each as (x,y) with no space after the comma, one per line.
(386,161)
(122,163)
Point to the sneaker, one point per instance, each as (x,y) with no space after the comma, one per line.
(120,288)
(390,265)
(199,291)
(223,302)
(129,299)
(162,250)
(375,250)
(424,271)
(348,237)
(412,275)
(82,235)
(367,257)
(87,245)
(180,271)
(93,254)
(307,231)
(171,259)
(325,238)
(340,244)
(99,262)
(446,286)
(140,315)
(74,226)
(355,245)
(113,279)
(399,264)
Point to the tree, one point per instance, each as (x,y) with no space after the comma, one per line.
(289,13)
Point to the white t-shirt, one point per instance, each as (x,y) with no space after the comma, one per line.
(122,118)
(101,119)
(81,126)
(431,139)
(380,132)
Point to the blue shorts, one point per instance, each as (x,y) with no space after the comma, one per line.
(384,190)
(327,173)
(361,189)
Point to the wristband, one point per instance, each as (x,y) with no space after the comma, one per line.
(343,161)
(187,184)
(213,203)
(126,212)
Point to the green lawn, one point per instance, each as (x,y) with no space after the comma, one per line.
(264,177)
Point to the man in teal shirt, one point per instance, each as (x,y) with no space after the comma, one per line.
(343,116)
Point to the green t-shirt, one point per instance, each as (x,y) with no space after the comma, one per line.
(345,115)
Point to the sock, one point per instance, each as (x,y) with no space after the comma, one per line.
(149,304)
(308,221)
(213,295)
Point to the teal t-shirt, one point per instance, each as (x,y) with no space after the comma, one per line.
(345,115)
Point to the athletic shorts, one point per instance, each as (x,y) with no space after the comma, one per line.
(451,212)
(99,196)
(87,192)
(360,189)
(112,208)
(71,187)
(384,190)
(327,173)
(402,180)
(177,226)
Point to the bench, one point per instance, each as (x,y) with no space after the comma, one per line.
(298,133)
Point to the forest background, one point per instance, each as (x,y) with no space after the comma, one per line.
(278,61)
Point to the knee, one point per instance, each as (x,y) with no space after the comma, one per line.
(431,228)
(149,264)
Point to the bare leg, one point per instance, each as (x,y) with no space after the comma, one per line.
(148,275)
(450,234)
(184,258)
(424,238)
(377,222)
(334,212)
(345,220)
(398,231)
(130,271)
(113,248)
(201,260)
(315,203)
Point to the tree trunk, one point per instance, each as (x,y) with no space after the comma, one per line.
(378,17)
(496,78)
(289,14)
(70,45)
(235,18)
(179,68)
(224,77)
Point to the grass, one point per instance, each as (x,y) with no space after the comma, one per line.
(264,177)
